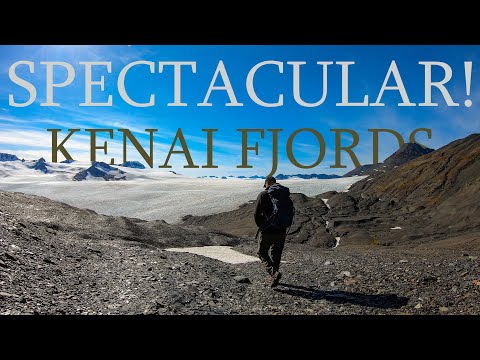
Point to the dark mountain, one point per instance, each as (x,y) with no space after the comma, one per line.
(8,157)
(67,161)
(40,165)
(133,165)
(406,153)
(100,170)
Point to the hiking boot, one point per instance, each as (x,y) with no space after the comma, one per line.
(275,279)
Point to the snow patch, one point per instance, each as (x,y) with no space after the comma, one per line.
(396,228)
(337,238)
(325,202)
(223,253)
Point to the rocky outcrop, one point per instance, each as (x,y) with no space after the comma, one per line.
(40,165)
(100,170)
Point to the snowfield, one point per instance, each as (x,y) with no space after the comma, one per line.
(222,253)
(149,194)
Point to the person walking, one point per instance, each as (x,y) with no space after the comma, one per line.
(273,214)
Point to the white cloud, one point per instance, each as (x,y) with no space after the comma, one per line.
(12,119)
(40,139)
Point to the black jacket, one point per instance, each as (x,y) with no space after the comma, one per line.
(263,205)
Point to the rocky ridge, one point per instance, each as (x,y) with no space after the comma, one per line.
(406,153)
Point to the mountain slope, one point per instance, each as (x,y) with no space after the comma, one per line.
(431,200)
(434,196)
(453,170)
(406,153)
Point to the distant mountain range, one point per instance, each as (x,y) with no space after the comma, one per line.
(40,164)
(129,164)
(278,177)
(406,153)
(307,176)
(133,165)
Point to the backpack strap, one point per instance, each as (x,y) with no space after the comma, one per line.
(288,230)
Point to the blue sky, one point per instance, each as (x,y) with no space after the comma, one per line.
(24,132)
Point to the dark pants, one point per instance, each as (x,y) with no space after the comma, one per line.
(275,242)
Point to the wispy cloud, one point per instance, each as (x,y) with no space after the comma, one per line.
(40,139)
(12,119)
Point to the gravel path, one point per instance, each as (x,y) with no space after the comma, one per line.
(113,266)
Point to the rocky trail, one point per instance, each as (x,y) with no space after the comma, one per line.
(47,268)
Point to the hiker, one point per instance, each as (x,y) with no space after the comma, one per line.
(273,215)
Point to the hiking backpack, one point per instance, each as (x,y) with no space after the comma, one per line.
(283,210)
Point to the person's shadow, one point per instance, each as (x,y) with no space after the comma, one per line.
(382,301)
